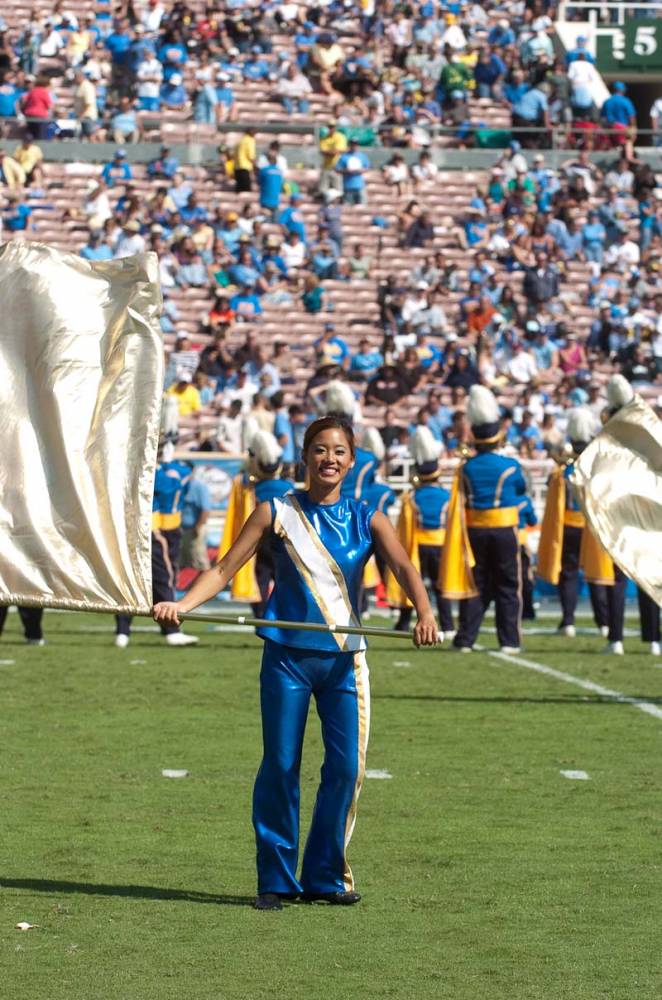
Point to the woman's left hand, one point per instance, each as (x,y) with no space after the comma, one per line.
(426,631)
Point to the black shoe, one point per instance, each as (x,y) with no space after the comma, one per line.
(333,898)
(268,901)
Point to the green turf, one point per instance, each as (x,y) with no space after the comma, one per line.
(484,872)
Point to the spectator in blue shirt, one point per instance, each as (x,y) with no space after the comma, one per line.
(532,108)
(331,349)
(501,34)
(192,212)
(94,249)
(172,53)
(515,90)
(303,42)
(256,68)
(271,183)
(243,272)
(118,44)
(164,165)
(117,170)
(291,218)
(272,256)
(205,104)
(618,110)
(580,51)
(124,123)
(365,363)
(192,272)
(225,108)
(15,216)
(173,93)
(180,191)
(352,166)
(594,236)
(9,95)
(488,73)
(246,304)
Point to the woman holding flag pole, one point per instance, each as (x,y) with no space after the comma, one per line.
(320,543)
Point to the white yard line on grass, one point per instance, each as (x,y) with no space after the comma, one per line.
(580,682)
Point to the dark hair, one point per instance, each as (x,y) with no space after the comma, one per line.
(325,424)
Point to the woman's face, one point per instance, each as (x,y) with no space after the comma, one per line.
(329,457)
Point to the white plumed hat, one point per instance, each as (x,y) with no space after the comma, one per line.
(266,450)
(619,392)
(483,413)
(339,399)
(249,429)
(425,449)
(581,425)
(372,441)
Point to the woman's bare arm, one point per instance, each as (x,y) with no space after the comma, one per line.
(426,631)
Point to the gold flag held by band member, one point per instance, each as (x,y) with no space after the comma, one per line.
(618,478)
(81,361)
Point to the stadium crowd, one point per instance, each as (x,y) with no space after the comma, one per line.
(504,316)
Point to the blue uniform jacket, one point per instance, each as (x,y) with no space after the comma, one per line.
(492,480)
(431,503)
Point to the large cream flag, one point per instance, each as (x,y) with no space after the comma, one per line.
(81,377)
(618,478)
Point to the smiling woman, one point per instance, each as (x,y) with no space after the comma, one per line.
(320,543)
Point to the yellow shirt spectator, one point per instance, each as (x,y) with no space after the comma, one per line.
(332,147)
(245,153)
(187,396)
(28,155)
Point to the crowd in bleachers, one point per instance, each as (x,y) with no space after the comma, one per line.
(410,282)
(388,71)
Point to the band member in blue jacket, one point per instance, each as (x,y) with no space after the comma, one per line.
(422,525)
(493,486)
(321,542)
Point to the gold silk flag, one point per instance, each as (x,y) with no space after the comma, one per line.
(81,379)
(618,478)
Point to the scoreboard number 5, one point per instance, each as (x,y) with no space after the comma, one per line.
(645,42)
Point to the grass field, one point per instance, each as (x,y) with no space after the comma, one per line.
(485,872)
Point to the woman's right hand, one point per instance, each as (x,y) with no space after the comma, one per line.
(166,612)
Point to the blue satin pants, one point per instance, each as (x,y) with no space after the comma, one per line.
(339,683)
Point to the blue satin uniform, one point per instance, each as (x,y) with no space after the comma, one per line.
(493,485)
(319,553)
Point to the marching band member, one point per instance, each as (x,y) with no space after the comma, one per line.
(266,468)
(169,489)
(320,542)
(421,528)
(376,494)
(481,557)
(562,537)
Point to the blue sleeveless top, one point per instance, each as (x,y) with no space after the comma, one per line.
(319,553)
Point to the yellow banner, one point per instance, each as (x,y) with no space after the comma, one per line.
(81,357)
